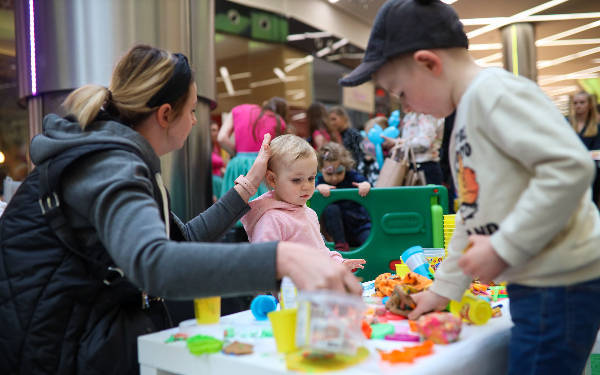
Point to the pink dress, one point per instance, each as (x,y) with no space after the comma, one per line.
(244,116)
(272,220)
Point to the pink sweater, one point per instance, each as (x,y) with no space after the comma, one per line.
(272,220)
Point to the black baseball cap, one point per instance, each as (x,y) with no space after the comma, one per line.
(403,26)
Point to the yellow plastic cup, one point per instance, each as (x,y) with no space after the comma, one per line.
(471,309)
(283,323)
(207,310)
(402,269)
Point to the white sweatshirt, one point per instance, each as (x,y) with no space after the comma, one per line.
(523,177)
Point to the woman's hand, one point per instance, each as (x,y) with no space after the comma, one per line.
(310,269)
(325,189)
(363,188)
(258,170)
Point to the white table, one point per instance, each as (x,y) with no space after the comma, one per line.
(480,350)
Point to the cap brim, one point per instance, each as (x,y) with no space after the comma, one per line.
(362,73)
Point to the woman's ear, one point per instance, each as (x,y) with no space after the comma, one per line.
(271,178)
(162,115)
(430,60)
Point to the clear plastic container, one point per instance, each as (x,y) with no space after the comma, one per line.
(329,322)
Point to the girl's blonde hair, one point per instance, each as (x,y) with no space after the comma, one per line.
(287,148)
(136,79)
(591,119)
(340,111)
(333,152)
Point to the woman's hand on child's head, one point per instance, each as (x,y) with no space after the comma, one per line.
(325,189)
(352,264)
(310,269)
(427,301)
(259,168)
(481,261)
(363,188)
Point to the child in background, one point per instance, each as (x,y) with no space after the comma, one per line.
(526,214)
(347,222)
(282,214)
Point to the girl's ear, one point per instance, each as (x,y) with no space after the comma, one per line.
(271,178)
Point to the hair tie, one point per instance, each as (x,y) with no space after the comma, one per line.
(109,98)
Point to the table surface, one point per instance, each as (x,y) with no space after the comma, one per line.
(480,350)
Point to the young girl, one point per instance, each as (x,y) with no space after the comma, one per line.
(319,128)
(282,214)
(351,138)
(347,222)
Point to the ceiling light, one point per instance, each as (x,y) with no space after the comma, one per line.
(449,1)
(566,42)
(586,73)
(298,63)
(573,56)
(2,157)
(333,1)
(515,18)
(226,79)
(237,93)
(235,76)
(572,31)
(538,18)
(315,35)
(337,45)
(280,74)
(484,46)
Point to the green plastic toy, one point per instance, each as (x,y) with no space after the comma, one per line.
(401,217)
(201,344)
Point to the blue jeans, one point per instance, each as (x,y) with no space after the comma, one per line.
(555,328)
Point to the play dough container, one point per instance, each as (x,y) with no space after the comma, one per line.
(207,310)
(471,309)
(329,322)
(283,323)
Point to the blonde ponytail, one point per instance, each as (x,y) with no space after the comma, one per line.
(85,103)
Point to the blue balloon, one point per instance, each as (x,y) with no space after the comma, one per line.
(391,132)
(394,119)
(375,138)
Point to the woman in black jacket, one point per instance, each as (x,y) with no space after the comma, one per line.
(89,240)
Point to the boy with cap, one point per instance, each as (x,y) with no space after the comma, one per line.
(526,214)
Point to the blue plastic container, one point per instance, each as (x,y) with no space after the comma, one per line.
(262,305)
(414,258)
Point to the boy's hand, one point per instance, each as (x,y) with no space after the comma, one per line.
(363,188)
(259,168)
(427,301)
(354,263)
(325,189)
(481,261)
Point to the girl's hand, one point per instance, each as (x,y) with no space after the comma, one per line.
(309,269)
(363,188)
(481,261)
(354,263)
(259,168)
(325,189)
(427,301)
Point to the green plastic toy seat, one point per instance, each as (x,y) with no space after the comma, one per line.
(401,217)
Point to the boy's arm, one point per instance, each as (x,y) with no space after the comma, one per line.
(528,128)
(450,281)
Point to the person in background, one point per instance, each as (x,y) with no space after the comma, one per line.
(346,221)
(523,177)
(351,138)
(319,129)
(79,308)
(248,123)
(219,158)
(423,133)
(282,214)
(583,118)
(369,167)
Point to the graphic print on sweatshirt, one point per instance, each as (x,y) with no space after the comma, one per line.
(468,188)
